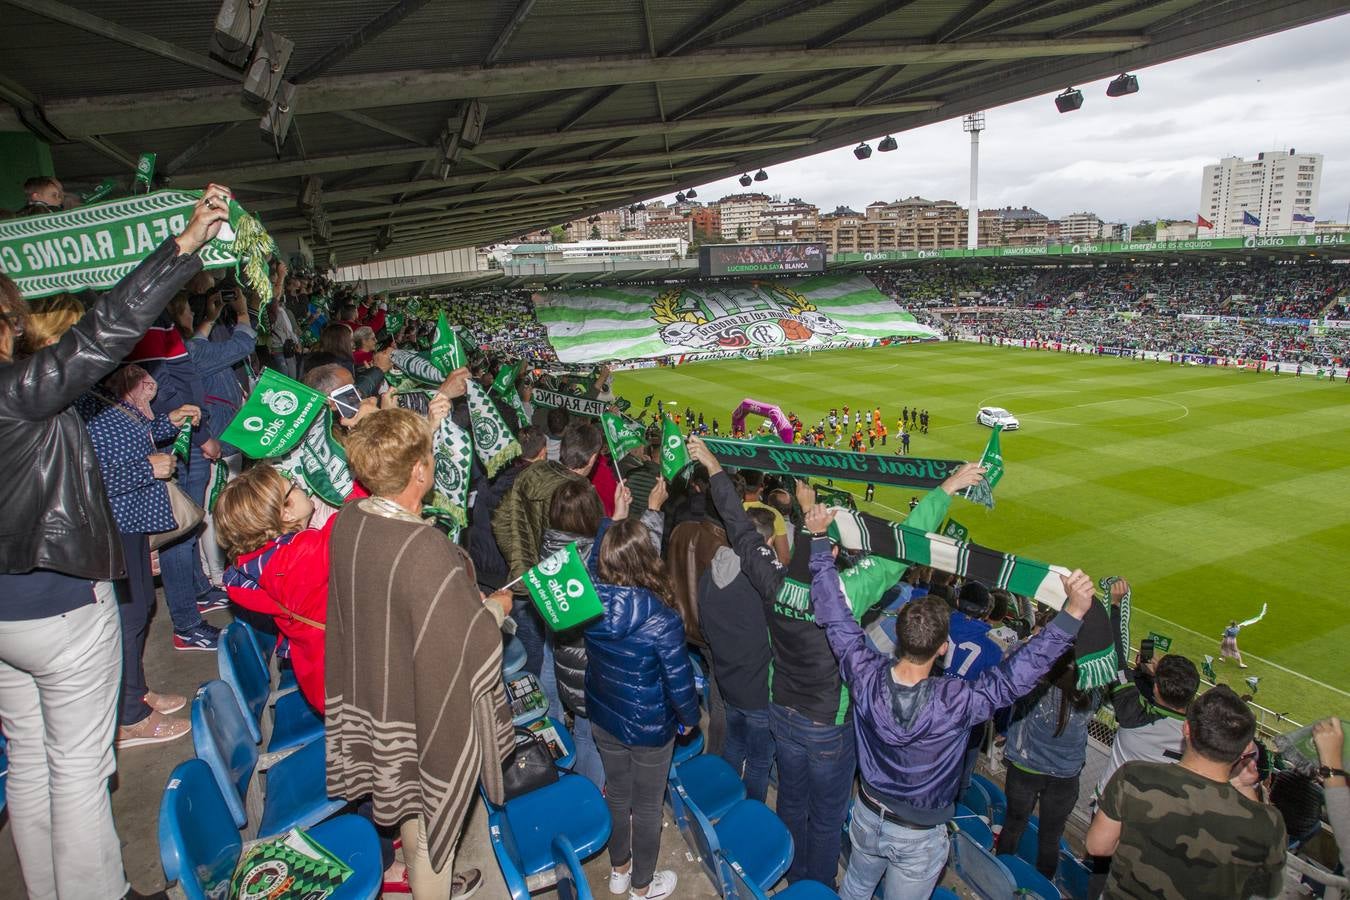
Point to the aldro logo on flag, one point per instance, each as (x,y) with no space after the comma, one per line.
(562,590)
(281,403)
(758,314)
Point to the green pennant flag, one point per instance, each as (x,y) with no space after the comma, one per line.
(102,191)
(647,401)
(955,529)
(983,492)
(622,404)
(492,439)
(446,352)
(320,464)
(1207,669)
(96,246)
(674,455)
(275,417)
(182,445)
(220,476)
(452,448)
(835,497)
(393,323)
(504,388)
(562,590)
(622,435)
(290,865)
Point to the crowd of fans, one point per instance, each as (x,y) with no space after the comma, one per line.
(1269,312)
(741,570)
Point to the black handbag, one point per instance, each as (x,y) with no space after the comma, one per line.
(529,767)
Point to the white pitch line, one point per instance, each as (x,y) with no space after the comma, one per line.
(1198,634)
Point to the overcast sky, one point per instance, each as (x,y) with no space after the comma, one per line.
(1125,158)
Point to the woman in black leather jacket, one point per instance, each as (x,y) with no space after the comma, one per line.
(60,638)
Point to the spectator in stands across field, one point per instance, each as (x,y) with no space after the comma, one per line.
(402,726)
(1182,830)
(280,566)
(911,728)
(363,346)
(60,641)
(1150,709)
(1045,752)
(639,688)
(522,517)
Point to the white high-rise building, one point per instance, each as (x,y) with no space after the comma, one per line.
(742,215)
(1273,189)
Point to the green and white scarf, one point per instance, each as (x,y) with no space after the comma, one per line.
(320,463)
(493,440)
(453,450)
(1094,648)
(504,389)
(96,246)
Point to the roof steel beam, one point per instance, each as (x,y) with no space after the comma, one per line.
(359,38)
(858,22)
(518,18)
(211,105)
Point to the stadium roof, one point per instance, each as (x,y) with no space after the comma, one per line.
(589,105)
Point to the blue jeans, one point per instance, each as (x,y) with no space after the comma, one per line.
(180,565)
(530,633)
(910,860)
(815,779)
(749,743)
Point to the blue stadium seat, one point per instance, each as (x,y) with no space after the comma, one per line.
(295,794)
(687,746)
(199,844)
(570,880)
(968,823)
(523,830)
(513,656)
(976,799)
(749,833)
(1030,882)
(744,889)
(942,893)
(1029,844)
(1073,879)
(702,684)
(241,666)
(998,801)
(4,771)
(710,782)
(980,870)
(266,642)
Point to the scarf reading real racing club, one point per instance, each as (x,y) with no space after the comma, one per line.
(1095,646)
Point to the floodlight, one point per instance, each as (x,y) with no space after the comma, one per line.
(761,175)
(1071,99)
(745,180)
(1122,85)
(887,144)
(862,151)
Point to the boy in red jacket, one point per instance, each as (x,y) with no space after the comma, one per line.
(281,567)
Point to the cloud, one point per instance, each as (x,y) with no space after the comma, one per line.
(1126,158)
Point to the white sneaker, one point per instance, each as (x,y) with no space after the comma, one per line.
(662,886)
(619,881)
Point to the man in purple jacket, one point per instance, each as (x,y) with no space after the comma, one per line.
(911,728)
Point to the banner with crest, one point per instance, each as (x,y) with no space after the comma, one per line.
(597,323)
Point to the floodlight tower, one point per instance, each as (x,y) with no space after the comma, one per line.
(974,123)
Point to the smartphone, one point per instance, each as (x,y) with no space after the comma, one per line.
(227,295)
(1145,650)
(348,400)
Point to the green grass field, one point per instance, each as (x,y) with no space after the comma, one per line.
(1211,490)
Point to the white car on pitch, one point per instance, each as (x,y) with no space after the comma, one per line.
(997,415)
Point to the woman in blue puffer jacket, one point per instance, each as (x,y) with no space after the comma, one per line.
(639,691)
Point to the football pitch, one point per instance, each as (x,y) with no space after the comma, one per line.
(1212,490)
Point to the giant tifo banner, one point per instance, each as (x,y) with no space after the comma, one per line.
(598,323)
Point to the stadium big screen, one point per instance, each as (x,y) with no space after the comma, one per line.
(756,259)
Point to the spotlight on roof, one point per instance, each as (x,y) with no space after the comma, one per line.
(862,151)
(1071,99)
(691,194)
(679,198)
(745,180)
(1122,85)
(761,175)
(887,144)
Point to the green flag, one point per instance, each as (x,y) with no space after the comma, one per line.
(320,464)
(504,388)
(621,434)
(983,492)
(1207,669)
(145,171)
(622,404)
(492,439)
(182,445)
(220,476)
(275,417)
(102,191)
(452,448)
(674,455)
(647,401)
(562,591)
(447,353)
(955,529)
